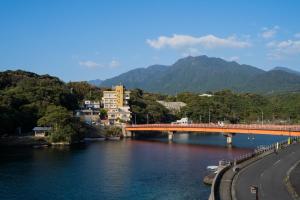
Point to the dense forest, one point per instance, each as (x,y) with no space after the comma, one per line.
(221,106)
(241,107)
(28,100)
(203,73)
(145,108)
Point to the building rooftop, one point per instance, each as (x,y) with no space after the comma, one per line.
(39,128)
(109,91)
(172,105)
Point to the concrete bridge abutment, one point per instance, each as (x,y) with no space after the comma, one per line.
(128,134)
(170,135)
(229,138)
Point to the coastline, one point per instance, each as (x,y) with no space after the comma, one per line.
(22,141)
(41,142)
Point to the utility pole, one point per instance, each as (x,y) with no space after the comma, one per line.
(262,116)
(134,118)
(147,118)
(200,119)
(209,115)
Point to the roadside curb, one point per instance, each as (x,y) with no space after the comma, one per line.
(224,187)
(245,164)
(288,183)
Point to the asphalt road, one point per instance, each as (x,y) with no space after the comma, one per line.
(295,178)
(268,175)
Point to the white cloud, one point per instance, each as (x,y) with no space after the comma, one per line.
(187,41)
(114,63)
(297,35)
(94,65)
(268,33)
(234,58)
(191,52)
(271,44)
(89,64)
(283,49)
(156,58)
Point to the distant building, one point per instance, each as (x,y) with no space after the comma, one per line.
(122,114)
(89,116)
(41,131)
(89,112)
(205,95)
(184,120)
(116,104)
(109,100)
(172,106)
(91,104)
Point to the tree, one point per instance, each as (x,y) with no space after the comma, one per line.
(103,114)
(144,104)
(55,116)
(113,131)
(65,127)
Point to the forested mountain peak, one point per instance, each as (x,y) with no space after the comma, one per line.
(203,73)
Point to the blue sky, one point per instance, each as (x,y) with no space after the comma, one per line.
(84,40)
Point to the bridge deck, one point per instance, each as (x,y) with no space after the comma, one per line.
(267,129)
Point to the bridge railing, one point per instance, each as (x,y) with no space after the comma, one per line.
(262,149)
(290,128)
(215,193)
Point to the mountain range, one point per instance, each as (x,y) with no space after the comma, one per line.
(202,74)
(96,82)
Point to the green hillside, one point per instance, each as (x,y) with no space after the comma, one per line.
(28,99)
(202,73)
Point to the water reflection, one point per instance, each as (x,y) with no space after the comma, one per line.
(216,139)
(128,169)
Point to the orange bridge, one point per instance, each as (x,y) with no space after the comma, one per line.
(227,129)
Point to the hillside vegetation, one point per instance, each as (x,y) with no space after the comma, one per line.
(28,100)
(202,74)
(242,107)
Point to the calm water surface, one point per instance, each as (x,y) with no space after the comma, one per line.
(128,169)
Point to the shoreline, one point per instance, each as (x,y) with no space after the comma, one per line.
(41,142)
(22,141)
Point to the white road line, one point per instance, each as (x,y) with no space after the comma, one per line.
(276,162)
(292,154)
(261,190)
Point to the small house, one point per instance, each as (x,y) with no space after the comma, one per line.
(41,131)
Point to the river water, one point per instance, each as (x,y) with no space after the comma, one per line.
(127,169)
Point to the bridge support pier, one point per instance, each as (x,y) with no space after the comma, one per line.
(170,135)
(125,133)
(128,134)
(229,137)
